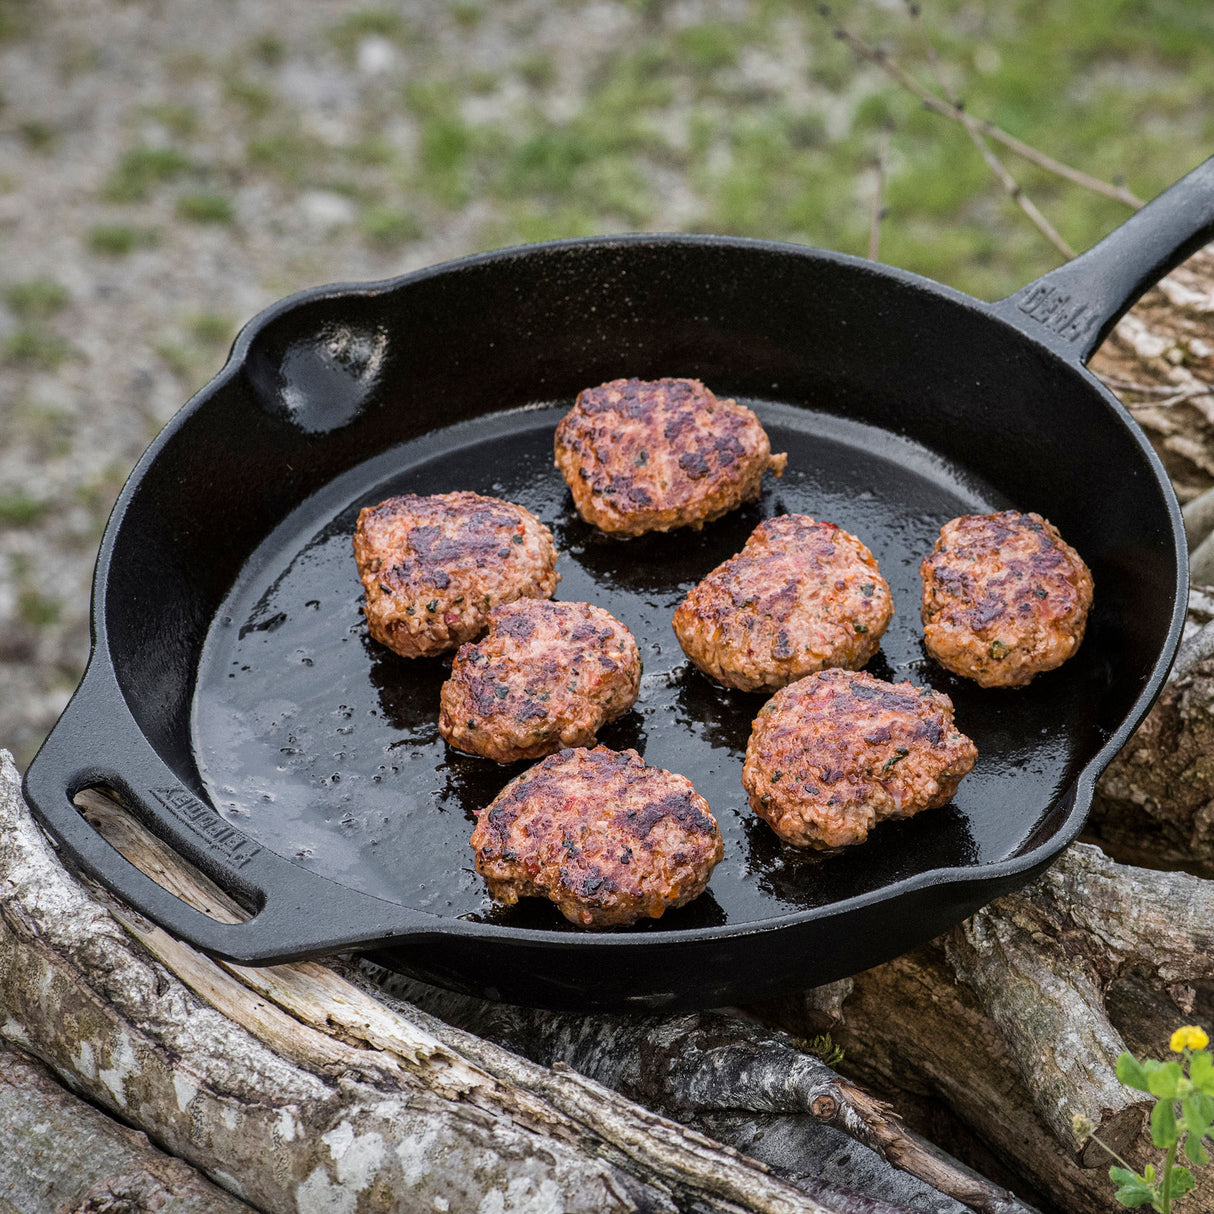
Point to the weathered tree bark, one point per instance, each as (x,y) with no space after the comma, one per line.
(1155,802)
(1007,1019)
(699,1064)
(62,1154)
(301,1092)
(1160,361)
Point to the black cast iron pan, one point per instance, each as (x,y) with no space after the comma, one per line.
(235,701)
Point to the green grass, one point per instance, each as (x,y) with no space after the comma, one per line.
(367,23)
(257,100)
(388,226)
(669,109)
(206,208)
(140,170)
(36,298)
(20,510)
(119,239)
(180,120)
(37,609)
(31,346)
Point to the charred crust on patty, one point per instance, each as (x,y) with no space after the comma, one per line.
(599,833)
(546,676)
(837,752)
(1005,598)
(432,568)
(651,455)
(801,596)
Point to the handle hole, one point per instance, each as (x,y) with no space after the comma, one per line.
(104,811)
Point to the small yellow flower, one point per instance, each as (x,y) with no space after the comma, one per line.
(1188,1037)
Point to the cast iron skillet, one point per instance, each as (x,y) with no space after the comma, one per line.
(235,702)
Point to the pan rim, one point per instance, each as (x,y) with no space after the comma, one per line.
(1079,790)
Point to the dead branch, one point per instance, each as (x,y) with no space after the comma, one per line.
(896,72)
(1010,185)
(63,1154)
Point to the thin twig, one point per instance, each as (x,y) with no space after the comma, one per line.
(891,68)
(1164,394)
(878,208)
(1013,188)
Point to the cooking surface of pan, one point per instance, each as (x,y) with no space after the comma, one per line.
(323,745)
(235,702)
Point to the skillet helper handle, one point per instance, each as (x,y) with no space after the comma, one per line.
(1074,307)
(296,911)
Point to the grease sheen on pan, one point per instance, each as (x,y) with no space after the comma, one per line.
(434,567)
(546,676)
(802,595)
(604,836)
(651,455)
(837,752)
(1005,597)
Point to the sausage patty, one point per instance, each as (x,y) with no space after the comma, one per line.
(839,751)
(605,837)
(546,676)
(799,597)
(434,567)
(1004,598)
(650,455)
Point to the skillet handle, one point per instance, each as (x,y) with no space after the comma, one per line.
(1074,307)
(297,914)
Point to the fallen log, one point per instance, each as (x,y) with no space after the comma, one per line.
(699,1064)
(299,1092)
(1155,802)
(63,1154)
(1159,360)
(685,1065)
(1008,1021)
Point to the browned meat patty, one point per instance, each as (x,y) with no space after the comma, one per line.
(545,677)
(1004,598)
(434,567)
(800,596)
(650,455)
(605,837)
(839,751)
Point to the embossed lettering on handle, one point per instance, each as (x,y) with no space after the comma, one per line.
(1059,311)
(202,821)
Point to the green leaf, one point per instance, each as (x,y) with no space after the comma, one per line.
(1194,1119)
(1165,1081)
(1135,1194)
(1182,1182)
(1132,1189)
(1163,1125)
(1195,1153)
(1201,1071)
(1130,1072)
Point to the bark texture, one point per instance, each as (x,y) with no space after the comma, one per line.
(1155,802)
(698,1065)
(298,1090)
(1013,1021)
(63,1154)
(1160,361)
